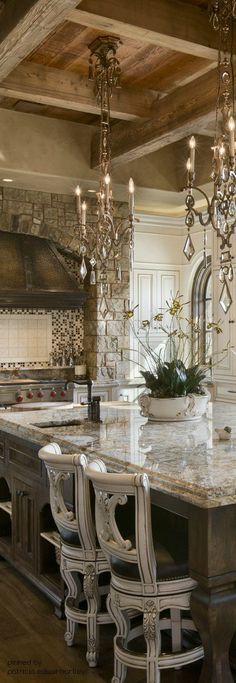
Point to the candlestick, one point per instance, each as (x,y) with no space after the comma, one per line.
(83,215)
(78,200)
(189,168)
(231,136)
(221,158)
(131,195)
(107,181)
(192,145)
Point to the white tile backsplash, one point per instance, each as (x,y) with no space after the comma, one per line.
(25,338)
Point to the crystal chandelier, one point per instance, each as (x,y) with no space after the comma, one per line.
(220,211)
(102,236)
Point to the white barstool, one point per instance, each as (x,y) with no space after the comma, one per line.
(81,555)
(144,577)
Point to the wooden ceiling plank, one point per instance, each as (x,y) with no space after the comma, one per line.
(68,90)
(25,24)
(176,25)
(176,115)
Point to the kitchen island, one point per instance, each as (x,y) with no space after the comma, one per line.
(192,476)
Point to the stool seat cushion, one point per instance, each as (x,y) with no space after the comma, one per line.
(167,568)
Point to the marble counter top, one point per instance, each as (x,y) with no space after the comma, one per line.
(185,459)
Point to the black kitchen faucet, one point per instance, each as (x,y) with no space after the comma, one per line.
(93,404)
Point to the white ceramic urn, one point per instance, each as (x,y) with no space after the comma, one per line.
(190,407)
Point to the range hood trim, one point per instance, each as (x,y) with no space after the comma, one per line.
(44,299)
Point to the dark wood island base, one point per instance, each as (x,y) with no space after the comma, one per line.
(28,538)
(193,481)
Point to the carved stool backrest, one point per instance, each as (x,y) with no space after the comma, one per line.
(75,527)
(112,490)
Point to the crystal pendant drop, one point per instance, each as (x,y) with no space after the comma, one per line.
(103,308)
(83,270)
(215,22)
(225,298)
(92,277)
(188,248)
(221,275)
(230,273)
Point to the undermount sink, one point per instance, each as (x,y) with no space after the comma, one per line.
(68,430)
(60,426)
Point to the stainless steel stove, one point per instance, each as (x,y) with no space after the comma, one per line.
(25,391)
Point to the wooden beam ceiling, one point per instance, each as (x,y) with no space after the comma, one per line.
(176,115)
(25,24)
(174,25)
(158,29)
(57,88)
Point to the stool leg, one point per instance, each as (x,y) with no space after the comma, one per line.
(151,631)
(72,586)
(175,618)
(91,592)
(122,630)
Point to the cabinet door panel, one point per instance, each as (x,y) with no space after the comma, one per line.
(23,518)
(144,294)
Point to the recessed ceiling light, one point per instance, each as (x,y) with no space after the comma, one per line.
(94,191)
(7,180)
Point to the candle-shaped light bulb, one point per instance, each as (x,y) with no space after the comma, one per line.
(192,145)
(107,181)
(78,199)
(131,195)
(83,214)
(231,136)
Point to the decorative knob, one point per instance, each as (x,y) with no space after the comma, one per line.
(30,394)
(40,393)
(53,393)
(19,397)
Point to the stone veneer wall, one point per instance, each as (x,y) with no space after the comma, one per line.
(53,216)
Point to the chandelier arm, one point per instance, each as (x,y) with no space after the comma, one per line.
(197,213)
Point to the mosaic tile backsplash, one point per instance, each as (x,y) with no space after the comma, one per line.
(67,334)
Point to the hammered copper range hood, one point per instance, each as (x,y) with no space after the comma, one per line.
(34,274)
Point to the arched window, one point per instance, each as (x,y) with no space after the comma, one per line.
(202,311)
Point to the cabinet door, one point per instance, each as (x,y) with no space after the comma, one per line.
(152,287)
(24,522)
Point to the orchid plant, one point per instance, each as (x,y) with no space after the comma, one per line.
(176,371)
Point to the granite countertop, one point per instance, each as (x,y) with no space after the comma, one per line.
(185,459)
